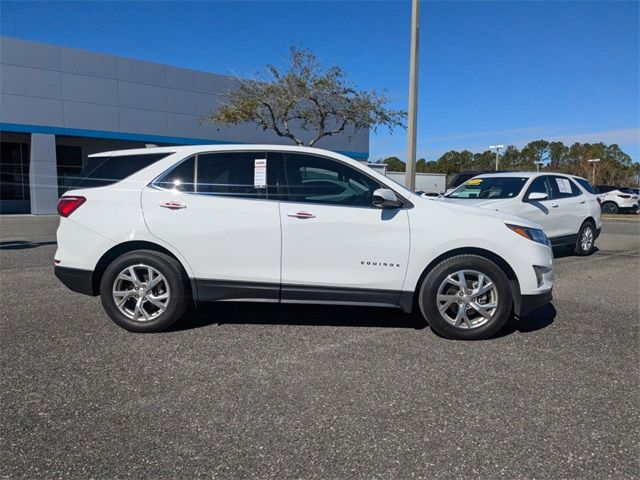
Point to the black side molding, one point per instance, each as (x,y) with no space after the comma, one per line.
(215,290)
(313,294)
(225,290)
(76,280)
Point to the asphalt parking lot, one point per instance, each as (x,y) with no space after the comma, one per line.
(268,391)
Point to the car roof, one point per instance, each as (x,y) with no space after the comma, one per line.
(526,174)
(192,149)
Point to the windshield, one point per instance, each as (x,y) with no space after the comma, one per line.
(490,187)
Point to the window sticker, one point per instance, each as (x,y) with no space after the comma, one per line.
(474,181)
(563,185)
(260,173)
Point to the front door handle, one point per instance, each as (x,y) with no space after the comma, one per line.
(172,205)
(554,205)
(301,215)
(582,201)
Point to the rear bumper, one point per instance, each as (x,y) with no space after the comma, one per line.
(76,280)
(531,303)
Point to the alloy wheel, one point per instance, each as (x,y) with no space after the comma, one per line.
(586,239)
(467,299)
(141,293)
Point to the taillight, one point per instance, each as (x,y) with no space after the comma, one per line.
(68,205)
(624,196)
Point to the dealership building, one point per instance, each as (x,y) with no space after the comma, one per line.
(58,105)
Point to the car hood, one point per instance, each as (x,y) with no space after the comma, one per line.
(490,203)
(484,207)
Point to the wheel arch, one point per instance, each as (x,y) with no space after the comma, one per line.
(489,255)
(126,247)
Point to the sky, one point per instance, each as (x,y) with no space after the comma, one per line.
(490,72)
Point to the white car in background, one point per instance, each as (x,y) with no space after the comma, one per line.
(564,206)
(289,225)
(617,199)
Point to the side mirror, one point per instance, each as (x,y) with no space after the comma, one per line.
(385,198)
(536,196)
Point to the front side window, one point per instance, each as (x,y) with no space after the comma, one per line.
(540,185)
(312,179)
(490,187)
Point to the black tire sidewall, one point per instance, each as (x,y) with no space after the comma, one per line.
(578,248)
(429,289)
(167,266)
(614,208)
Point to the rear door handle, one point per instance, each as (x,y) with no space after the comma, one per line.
(582,201)
(554,205)
(172,205)
(301,215)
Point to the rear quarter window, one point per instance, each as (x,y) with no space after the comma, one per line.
(104,171)
(585,184)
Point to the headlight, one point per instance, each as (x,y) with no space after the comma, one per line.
(533,234)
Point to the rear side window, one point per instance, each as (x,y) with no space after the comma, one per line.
(251,175)
(103,171)
(180,178)
(585,184)
(230,174)
(562,187)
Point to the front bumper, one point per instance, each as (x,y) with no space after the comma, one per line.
(529,303)
(76,280)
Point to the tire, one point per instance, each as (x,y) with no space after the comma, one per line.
(585,241)
(610,208)
(436,290)
(142,309)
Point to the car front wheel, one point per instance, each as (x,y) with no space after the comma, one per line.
(466,297)
(145,291)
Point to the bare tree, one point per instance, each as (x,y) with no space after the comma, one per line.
(305,97)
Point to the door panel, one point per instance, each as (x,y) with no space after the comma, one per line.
(333,240)
(223,225)
(344,247)
(571,206)
(541,212)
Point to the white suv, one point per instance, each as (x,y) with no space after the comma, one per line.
(617,199)
(176,225)
(564,205)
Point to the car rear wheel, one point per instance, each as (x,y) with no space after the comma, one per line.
(585,241)
(610,208)
(466,297)
(145,291)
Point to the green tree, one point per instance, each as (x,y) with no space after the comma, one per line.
(557,155)
(305,103)
(394,164)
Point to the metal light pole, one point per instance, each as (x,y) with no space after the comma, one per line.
(497,149)
(593,162)
(410,173)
